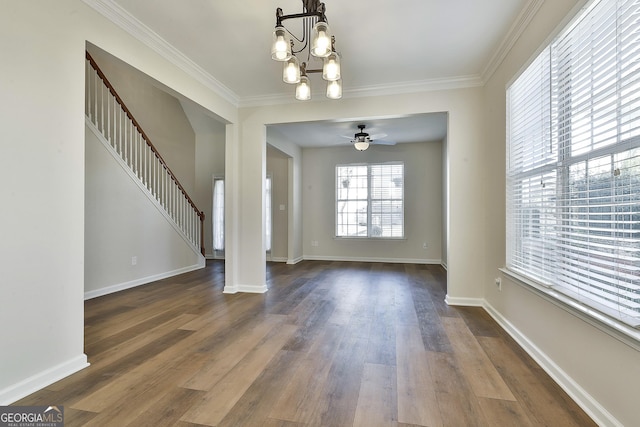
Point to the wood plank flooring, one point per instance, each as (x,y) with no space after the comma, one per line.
(330,344)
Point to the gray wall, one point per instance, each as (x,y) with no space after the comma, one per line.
(278,169)
(422,194)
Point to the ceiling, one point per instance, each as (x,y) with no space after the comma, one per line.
(386,46)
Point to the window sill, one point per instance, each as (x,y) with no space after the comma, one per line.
(605,323)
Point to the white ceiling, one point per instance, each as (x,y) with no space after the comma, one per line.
(386,46)
(414,128)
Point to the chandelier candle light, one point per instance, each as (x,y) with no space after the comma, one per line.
(316,41)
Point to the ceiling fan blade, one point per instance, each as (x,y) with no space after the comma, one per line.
(377,136)
(382,142)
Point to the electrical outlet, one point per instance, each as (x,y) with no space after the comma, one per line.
(134,260)
(499,284)
(424,245)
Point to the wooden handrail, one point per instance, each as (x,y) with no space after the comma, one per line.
(109,86)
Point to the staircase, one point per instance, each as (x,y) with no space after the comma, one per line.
(105,110)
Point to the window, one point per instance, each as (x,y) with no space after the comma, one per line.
(268,214)
(573,163)
(370,200)
(218,214)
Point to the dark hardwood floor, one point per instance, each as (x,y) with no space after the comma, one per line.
(330,344)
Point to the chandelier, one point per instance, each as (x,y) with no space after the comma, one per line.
(316,41)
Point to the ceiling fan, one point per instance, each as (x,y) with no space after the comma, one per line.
(362,139)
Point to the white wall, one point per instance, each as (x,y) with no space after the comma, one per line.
(42,215)
(42,220)
(422,204)
(601,372)
(122,222)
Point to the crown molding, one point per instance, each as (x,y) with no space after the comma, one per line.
(430,85)
(123,19)
(517,28)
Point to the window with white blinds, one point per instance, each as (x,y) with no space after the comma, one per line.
(370,200)
(573,162)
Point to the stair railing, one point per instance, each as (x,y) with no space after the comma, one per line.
(106,110)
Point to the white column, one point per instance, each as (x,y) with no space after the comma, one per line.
(245,207)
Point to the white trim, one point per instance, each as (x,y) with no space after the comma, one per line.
(525,16)
(431,85)
(370,259)
(278,259)
(42,379)
(464,302)
(142,281)
(123,19)
(594,409)
(142,187)
(293,261)
(250,289)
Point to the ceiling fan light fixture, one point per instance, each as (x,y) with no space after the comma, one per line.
(281,46)
(334,89)
(361,145)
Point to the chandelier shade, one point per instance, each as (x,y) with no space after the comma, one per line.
(281,46)
(331,67)
(334,89)
(291,71)
(321,42)
(303,89)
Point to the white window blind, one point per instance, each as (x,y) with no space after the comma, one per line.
(573,172)
(370,200)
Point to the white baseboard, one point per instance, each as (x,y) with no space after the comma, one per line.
(369,259)
(595,410)
(295,260)
(464,302)
(42,379)
(250,289)
(278,259)
(142,281)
